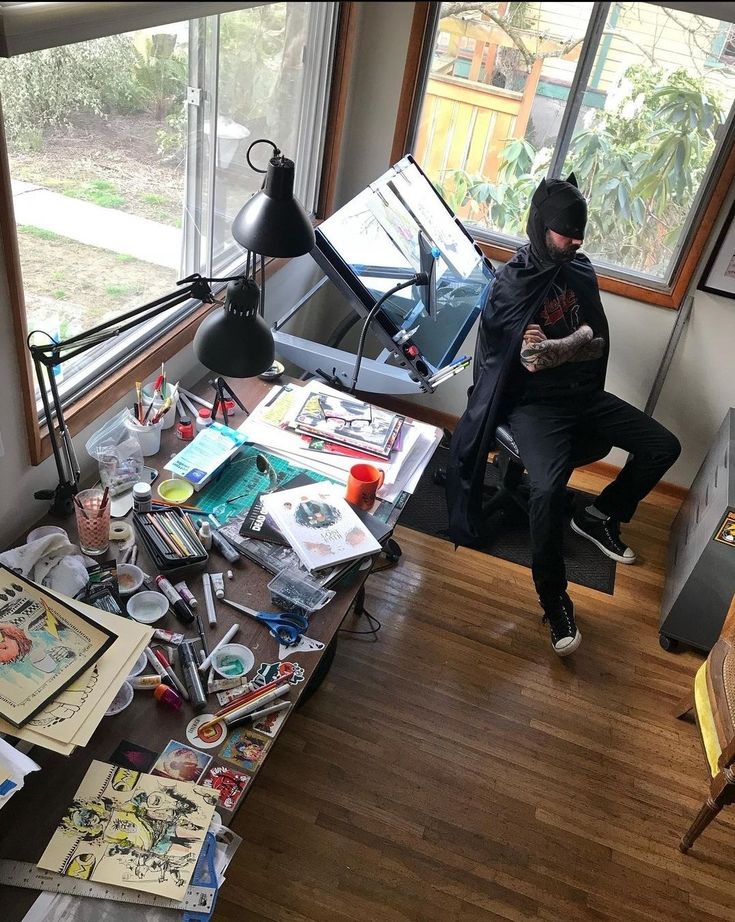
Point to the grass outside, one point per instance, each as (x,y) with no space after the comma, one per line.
(112,162)
(70,287)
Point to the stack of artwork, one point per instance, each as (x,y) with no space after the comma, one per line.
(61,663)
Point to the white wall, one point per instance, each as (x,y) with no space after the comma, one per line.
(699,389)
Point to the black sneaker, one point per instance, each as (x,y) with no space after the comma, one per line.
(605,534)
(559,615)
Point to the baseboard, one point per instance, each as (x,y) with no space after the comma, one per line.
(448,421)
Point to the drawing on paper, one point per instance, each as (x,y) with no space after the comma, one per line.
(132,830)
(45,644)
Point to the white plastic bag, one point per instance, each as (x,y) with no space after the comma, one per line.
(118,454)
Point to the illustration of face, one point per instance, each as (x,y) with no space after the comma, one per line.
(183,764)
(14,643)
(86,818)
(160,806)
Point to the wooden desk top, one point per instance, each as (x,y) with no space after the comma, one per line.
(30,818)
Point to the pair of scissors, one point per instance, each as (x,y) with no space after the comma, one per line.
(286,627)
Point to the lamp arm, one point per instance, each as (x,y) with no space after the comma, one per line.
(418,279)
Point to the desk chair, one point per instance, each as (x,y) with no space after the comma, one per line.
(713,703)
(512,491)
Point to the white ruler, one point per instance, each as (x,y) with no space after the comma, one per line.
(30,877)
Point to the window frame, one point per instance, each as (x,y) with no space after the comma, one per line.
(669,296)
(96,400)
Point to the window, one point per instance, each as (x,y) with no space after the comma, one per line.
(127,160)
(635,98)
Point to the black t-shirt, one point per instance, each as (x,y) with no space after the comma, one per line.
(561,314)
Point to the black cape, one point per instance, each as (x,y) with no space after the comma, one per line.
(517,295)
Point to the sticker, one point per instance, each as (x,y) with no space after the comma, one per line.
(229,784)
(226,696)
(271,723)
(726,531)
(181,762)
(267,672)
(205,739)
(303,645)
(245,749)
(130,755)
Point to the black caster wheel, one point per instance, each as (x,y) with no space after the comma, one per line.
(668,643)
(392,550)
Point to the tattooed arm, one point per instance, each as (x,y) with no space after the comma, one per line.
(538,352)
(592,350)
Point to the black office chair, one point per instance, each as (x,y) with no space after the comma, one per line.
(510,494)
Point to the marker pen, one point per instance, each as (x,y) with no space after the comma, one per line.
(180,607)
(161,657)
(191,676)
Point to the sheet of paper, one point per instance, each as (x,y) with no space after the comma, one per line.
(132,830)
(73,716)
(46,642)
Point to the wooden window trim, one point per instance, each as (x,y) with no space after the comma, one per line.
(102,397)
(671,297)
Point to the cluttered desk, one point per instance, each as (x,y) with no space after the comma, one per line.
(154,647)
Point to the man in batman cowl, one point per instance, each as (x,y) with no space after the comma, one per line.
(540,366)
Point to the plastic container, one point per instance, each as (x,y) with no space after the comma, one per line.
(44,531)
(149,437)
(129,578)
(291,591)
(121,700)
(147,607)
(169,418)
(175,490)
(233,661)
(139,666)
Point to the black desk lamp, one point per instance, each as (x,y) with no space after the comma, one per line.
(46,356)
(271,224)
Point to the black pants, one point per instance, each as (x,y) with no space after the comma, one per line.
(553,439)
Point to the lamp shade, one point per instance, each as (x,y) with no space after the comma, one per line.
(234,340)
(273,222)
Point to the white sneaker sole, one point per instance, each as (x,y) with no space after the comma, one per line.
(611,554)
(569,647)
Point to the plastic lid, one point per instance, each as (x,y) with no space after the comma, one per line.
(204,413)
(142,489)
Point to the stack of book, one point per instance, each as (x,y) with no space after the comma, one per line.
(61,663)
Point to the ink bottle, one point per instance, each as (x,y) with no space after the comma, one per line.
(142,497)
(204,418)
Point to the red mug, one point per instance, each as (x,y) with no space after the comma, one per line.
(363,484)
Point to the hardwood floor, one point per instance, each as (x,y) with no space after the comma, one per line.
(458,770)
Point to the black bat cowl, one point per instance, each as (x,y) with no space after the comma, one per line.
(517,295)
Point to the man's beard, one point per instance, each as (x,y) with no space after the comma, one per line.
(560,254)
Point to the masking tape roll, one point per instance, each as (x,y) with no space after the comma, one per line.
(120,531)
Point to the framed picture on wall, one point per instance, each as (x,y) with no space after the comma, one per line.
(719,273)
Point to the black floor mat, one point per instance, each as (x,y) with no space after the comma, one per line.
(426,512)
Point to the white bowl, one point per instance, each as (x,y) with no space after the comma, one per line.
(147,607)
(233,661)
(129,578)
(43,531)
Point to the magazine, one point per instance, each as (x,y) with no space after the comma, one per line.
(200,460)
(320,525)
(344,419)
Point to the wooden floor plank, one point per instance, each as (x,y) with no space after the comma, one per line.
(457,770)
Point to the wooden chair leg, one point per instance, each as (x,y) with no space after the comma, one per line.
(705,816)
(684,706)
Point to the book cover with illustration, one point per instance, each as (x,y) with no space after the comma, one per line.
(320,525)
(258,524)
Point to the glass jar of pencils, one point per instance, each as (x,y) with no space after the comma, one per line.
(92,508)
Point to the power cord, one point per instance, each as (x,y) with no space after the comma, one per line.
(420,278)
